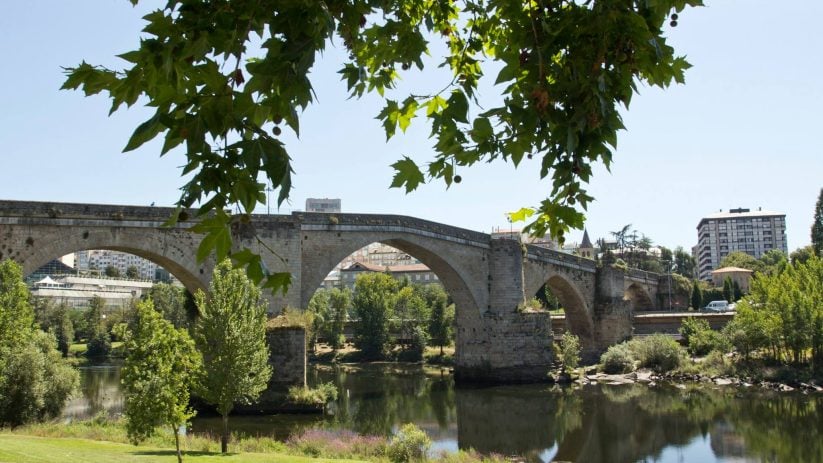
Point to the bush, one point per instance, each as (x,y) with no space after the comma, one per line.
(99,346)
(409,444)
(703,342)
(319,395)
(700,338)
(658,352)
(36,382)
(569,351)
(617,359)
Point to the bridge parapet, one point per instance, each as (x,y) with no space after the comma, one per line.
(542,254)
(383,222)
(642,276)
(53,210)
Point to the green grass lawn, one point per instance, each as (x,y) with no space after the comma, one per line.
(21,448)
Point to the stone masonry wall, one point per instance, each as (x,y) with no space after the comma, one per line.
(287,356)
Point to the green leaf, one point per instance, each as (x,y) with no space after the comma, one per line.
(407,174)
(144,132)
(458,107)
(278,281)
(482,130)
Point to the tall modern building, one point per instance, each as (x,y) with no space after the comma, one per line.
(752,232)
(322,205)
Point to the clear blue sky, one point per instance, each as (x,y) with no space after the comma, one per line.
(743,131)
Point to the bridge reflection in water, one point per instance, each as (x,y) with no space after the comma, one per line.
(599,423)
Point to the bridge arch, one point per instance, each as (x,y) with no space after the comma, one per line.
(451,270)
(169,252)
(577,312)
(639,297)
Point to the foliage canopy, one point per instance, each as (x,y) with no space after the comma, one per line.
(159,371)
(224,77)
(230,333)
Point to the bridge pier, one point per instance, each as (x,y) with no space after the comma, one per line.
(509,346)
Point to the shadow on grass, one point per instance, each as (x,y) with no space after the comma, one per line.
(172,453)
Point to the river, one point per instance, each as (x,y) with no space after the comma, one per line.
(594,423)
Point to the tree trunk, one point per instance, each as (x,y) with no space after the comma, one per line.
(177,443)
(441,351)
(224,439)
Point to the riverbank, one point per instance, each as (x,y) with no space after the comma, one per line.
(105,441)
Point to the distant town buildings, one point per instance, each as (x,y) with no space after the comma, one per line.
(96,261)
(323,205)
(752,232)
(77,291)
(415,273)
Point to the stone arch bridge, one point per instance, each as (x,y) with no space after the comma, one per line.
(488,279)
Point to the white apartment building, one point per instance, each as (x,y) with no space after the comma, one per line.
(86,261)
(752,232)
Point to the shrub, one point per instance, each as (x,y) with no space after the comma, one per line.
(658,352)
(700,338)
(409,444)
(692,325)
(617,359)
(703,342)
(36,382)
(99,345)
(319,395)
(569,351)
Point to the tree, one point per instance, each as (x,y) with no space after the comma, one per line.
(441,319)
(231,334)
(62,328)
(742,260)
(319,307)
(112,272)
(737,293)
(159,371)
(98,343)
(697,296)
(817,226)
(35,381)
(728,289)
(569,351)
(621,238)
(339,303)
(373,303)
(774,261)
(16,313)
(683,263)
(132,272)
(172,302)
(411,315)
(222,80)
(801,255)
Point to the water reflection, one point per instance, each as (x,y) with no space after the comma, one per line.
(543,423)
(99,393)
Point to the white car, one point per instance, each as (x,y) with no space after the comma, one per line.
(717,306)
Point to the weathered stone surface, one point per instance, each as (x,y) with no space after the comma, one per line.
(487,279)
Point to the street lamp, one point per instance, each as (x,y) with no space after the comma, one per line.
(268,199)
(670,284)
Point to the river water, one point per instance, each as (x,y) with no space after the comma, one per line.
(595,423)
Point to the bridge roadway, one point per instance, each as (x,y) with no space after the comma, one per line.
(488,279)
